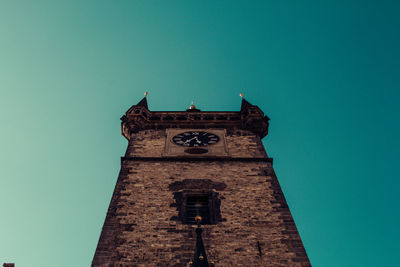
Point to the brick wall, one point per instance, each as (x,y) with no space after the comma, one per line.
(151,143)
(142,229)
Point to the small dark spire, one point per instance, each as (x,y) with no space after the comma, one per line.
(245,104)
(143,103)
(200,257)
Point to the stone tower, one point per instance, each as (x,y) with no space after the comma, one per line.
(182,164)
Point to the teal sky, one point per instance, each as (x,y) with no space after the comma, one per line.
(325,72)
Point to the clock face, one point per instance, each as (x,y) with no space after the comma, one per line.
(195,138)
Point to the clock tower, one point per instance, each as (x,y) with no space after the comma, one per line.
(197,188)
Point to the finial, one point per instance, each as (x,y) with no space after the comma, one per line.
(146,94)
(198,219)
(241,95)
(192,106)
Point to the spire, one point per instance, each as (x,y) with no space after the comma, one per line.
(245,104)
(200,257)
(143,102)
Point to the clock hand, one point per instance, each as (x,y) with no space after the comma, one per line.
(189,140)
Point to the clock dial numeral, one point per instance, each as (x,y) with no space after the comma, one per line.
(195,139)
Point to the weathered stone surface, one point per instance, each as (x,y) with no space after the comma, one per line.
(151,143)
(252,225)
(256,228)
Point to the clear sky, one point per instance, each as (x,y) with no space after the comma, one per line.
(325,72)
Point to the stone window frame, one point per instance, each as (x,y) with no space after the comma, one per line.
(213,205)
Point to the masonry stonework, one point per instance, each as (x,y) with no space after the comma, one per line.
(142,226)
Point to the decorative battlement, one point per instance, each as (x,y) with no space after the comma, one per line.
(139,117)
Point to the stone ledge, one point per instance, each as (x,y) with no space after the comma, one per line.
(186,159)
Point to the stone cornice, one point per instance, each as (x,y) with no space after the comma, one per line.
(139,118)
(188,158)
